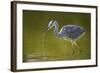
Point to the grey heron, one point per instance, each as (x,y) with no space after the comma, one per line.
(68,32)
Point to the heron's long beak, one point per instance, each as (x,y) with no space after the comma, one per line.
(48,28)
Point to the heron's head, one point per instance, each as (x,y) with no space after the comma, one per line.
(51,24)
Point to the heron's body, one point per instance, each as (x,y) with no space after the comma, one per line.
(68,32)
(71,32)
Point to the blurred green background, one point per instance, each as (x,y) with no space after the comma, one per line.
(39,45)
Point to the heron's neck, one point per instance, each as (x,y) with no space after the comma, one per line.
(56,29)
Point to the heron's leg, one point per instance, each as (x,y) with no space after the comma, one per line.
(77,46)
(72,49)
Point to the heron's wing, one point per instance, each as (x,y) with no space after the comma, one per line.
(65,30)
(76,32)
(71,31)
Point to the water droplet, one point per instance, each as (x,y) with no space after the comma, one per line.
(43,45)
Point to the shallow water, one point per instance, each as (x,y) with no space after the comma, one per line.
(41,46)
